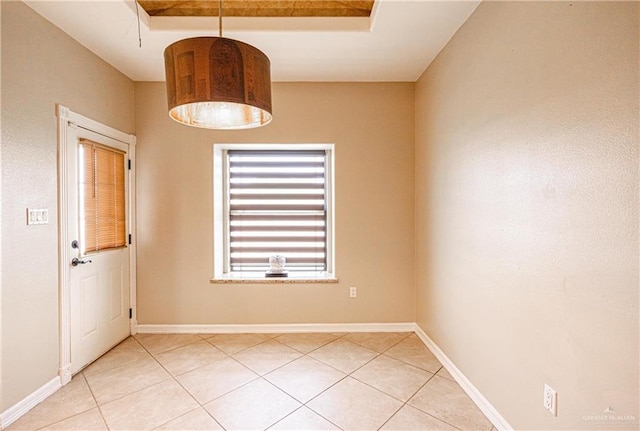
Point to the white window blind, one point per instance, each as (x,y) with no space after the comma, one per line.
(277,205)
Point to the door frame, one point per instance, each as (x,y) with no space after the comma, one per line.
(67,118)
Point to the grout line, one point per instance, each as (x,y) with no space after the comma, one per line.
(136,391)
(86,367)
(342,371)
(95,400)
(74,414)
(69,417)
(306,404)
(408,334)
(222,395)
(378,354)
(392,415)
(408,363)
(258,376)
(127,365)
(287,394)
(239,351)
(171,348)
(258,373)
(346,375)
(314,349)
(302,406)
(209,362)
(420,410)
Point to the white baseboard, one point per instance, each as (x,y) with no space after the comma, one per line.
(483,404)
(133,326)
(276,328)
(16,411)
(65,374)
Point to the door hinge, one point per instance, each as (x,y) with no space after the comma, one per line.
(130,313)
(129,164)
(129,239)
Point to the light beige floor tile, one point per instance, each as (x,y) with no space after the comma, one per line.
(234,343)
(257,405)
(376,341)
(343,355)
(135,392)
(149,408)
(267,356)
(118,382)
(90,420)
(158,343)
(304,419)
(413,351)
(392,377)
(189,357)
(217,378)
(355,406)
(410,419)
(124,353)
(447,401)
(72,399)
(306,342)
(445,374)
(197,419)
(304,378)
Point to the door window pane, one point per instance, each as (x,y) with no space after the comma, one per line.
(102,197)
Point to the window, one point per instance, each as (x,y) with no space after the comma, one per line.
(276,201)
(102,197)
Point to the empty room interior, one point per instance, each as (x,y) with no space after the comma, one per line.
(409,215)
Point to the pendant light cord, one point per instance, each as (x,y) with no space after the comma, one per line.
(139,35)
(220,18)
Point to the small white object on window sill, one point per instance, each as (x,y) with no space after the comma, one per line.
(276,267)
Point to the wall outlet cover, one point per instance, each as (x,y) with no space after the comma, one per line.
(550,399)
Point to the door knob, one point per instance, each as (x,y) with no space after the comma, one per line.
(75,261)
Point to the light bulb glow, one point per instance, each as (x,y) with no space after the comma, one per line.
(220,115)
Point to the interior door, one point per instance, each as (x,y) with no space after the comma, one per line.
(97,221)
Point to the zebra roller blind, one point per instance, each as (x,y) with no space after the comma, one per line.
(277,205)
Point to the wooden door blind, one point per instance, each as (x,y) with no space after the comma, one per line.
(277,205)
(102,197)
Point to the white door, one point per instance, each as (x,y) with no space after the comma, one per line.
(98,236)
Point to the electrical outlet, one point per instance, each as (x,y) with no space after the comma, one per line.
(353,292)
(550,400)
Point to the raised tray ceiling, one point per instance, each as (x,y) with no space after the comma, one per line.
(260,8)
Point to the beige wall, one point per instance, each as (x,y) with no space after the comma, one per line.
(41,66)
(372,128)
(527,208)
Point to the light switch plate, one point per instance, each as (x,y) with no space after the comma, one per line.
(37,216)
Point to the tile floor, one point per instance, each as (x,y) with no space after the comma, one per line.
(319,381)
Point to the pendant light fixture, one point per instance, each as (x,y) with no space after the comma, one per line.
(218,83)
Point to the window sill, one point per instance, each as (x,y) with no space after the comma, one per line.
(257,279)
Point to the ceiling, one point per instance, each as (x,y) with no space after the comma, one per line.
(395,43)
